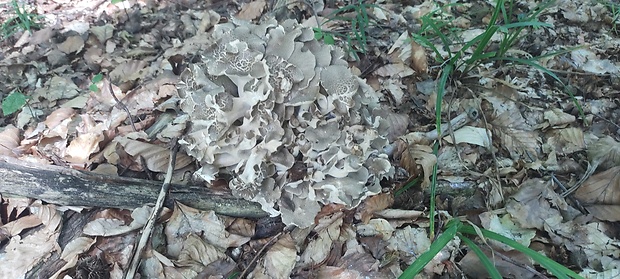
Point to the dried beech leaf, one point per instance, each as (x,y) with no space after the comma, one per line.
(568,140)
(128,71)
(318,249)
(71,44)
(9,141)
(605,212)
(57,122)
(103,33)
(373,204)
(419,61)
(558,117)
(604,153)
(419,156)
(156,157)
(516,135)
(80,149)
(518,265)
(536,205)
(252,10)
(395,69)
(279,260)
(472,135)
(601,188)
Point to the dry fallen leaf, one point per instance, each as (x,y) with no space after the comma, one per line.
(252,10)
(155,156)
(9,141)
(601,188)
(71,44)
(416,156)
(558,117)
(604,153)
(418,58)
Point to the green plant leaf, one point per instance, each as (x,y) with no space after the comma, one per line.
(93,87)
(328,39)
(318,33)
(117,1)
(486,262)
(441,241)
(98,78)
(555,268)
(13,102)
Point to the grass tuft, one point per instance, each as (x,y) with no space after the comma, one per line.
(19,20)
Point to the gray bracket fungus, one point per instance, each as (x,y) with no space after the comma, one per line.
(284,118)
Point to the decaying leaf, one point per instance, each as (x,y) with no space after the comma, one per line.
(72,44)
(155,156)
(516,135)
(416,156)
(186,220)
(252,10)
(601,188)
(472,135)
(558,117)
(279,261)
(605,153)
(418,58)
(506,227)
(9,141)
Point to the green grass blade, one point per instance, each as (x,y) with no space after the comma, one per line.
(442,37)
(407,186)
(557,269)
(419,264)
(423,41)
(486,262)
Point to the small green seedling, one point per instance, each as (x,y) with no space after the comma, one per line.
(13,102)
(325,36)
(96,79)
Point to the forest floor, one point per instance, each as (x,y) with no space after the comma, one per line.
(533,154)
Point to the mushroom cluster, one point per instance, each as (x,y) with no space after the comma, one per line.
(284,119)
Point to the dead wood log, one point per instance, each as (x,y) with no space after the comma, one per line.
(63,186)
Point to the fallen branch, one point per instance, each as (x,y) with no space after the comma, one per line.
(63,186)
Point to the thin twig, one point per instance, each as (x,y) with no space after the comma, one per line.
(147,231)
(123,106)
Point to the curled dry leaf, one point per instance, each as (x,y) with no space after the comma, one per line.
(80,149)
(558,117)
(419,156)
(418,58)
(373,204)
(57,122)
(9,141)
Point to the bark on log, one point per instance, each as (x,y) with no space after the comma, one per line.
(64,186)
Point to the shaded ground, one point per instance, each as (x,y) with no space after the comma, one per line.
(535,156)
